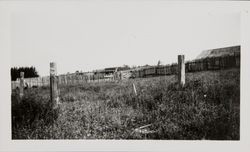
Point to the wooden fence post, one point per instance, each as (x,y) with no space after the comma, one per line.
(53,86)
(134,88)
(21,84)
(181,70)
(65,79)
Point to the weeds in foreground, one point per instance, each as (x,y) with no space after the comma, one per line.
(206,108)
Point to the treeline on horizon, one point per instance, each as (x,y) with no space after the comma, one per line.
(29,72)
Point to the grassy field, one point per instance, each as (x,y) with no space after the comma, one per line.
(208,107)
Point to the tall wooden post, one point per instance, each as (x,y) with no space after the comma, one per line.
(134,89)
(53,86)
(65,79)
(181,70)
(21,84)
(59,80)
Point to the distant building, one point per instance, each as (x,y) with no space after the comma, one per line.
(219,52)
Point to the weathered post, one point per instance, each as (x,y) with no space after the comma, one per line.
(134,88)
(59,80)
(42,81)
(66,79)
(181,70)
(21,84)
(53,86)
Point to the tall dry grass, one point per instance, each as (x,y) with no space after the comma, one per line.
(206,108)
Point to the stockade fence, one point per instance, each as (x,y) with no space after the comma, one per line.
(180,69)
(53,80)
(206,64)
(68,79)
(212,63)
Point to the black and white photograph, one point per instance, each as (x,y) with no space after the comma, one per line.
(124,70)
(112,76)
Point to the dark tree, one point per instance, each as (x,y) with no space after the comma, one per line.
(29,72)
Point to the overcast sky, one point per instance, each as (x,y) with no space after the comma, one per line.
(93,35)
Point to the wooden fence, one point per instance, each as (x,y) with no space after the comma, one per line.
(68,79)
(212,63)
